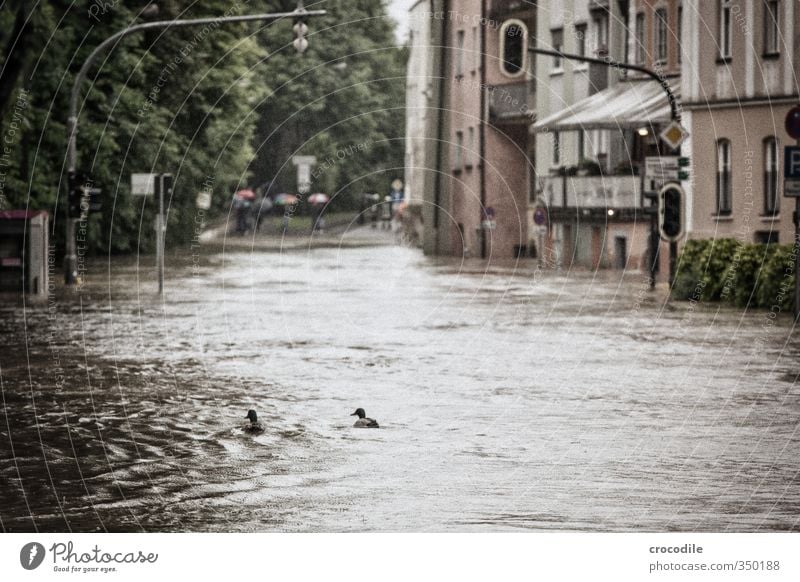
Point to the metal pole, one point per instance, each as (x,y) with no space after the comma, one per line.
(797,255)
(160,235)
(673,102)
(71,259)
(673,256)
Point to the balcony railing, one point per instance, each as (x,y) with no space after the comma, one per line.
(512,102)
(593,192)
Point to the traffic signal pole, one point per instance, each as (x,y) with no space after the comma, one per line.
(797,255)
(71,258)
(674,116)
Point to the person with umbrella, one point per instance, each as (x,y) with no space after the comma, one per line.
(285,201)
(242,202)
(318,202)
(262,210)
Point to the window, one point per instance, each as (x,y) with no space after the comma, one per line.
(770,176)
(640,39)
(660,35)
(557,40)
(476,49)
(580,39)
(679,28)
(725,28)
(772,27)
(581,145)
(460,53)
(471,154)
(556,148)
(514,47)
(767,238)
(601,34)
(458,152)
(723,177)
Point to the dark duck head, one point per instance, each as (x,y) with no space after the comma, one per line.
(363,421)
(254,425)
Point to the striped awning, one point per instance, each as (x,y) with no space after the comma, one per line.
(626,105)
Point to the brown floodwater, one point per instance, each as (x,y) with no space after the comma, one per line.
(508,399)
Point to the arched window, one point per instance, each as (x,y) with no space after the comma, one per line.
(724,186)
(771,176)
(513,47)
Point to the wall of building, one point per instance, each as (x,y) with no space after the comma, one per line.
(743,98)
(746,129)
(419,91)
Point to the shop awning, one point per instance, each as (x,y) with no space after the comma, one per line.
(626,105)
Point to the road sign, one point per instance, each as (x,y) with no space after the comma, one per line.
(791,188)
(791,171)
(539,216)
(397,185)
(143,184)
(203,200)
(793,122)
(304,164)
(674,135)
(791,162)
(304,160)
(658,170)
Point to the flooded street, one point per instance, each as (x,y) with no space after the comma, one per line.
(508,399)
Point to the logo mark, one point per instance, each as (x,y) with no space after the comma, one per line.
(31,555)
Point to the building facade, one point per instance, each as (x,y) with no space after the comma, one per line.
(739,81)
(588,152)
(484,106)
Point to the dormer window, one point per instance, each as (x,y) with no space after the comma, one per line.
(513,47)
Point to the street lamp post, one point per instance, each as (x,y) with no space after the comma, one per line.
(674,115)
(299,15)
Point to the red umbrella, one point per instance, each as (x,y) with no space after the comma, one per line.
(285,199)
(246,194)
(318,198)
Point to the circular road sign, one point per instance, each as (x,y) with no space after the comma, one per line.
(793,122)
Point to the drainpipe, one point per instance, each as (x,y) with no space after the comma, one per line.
(483,121)
(437,194)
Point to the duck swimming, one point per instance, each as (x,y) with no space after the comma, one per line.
(363,421)
(254,426)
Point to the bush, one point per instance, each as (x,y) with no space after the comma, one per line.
(745,275)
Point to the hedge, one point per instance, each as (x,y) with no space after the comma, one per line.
(742,274)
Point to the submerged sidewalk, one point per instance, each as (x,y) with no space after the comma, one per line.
(350,237)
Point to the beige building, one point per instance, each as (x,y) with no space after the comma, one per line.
(589,145)
(739,80)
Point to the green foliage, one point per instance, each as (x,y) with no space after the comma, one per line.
(227,105)
(741,274)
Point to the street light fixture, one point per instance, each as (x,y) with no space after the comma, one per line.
(299,14)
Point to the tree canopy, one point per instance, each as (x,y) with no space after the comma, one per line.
(220,107)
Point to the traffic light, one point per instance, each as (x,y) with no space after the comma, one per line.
(82,196)
(300,42)
(670,212)
(73,196)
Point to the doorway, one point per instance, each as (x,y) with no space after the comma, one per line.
(621,252)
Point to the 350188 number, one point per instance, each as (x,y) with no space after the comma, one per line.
(768,565)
